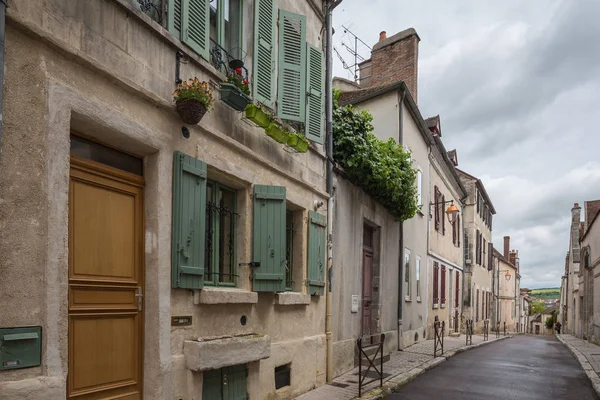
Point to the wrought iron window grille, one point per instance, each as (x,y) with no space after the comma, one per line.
(213,210)
(153,8)
(221,59)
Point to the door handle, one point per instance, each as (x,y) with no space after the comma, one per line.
(139,295)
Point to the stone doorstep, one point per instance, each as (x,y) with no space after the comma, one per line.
(212,353)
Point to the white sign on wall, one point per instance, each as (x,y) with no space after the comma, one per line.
(354,303)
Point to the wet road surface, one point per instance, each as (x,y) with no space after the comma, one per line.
(523,368)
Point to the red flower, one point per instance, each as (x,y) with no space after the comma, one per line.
(245,81)
(238,70)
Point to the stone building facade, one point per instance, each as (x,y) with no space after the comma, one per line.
(506,289)
(148,230)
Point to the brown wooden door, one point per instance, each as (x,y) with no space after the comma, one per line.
(367,291)
(105,283)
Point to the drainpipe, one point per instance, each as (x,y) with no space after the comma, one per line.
(464,271)
(401,227)
(329,6)
(2,30)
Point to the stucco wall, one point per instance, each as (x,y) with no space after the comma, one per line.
(106,72)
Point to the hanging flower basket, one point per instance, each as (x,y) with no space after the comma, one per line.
(233,97)
(277,133)
(190,111)
(192,99)
(298,142)
(257,115)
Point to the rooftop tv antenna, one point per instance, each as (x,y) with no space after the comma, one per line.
(354,52)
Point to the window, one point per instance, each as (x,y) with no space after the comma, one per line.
(289,250)
(419,187)
(227,383)
(283,376)
(407,274)
(219,248)
(456,231)
(418,276)
(225,31)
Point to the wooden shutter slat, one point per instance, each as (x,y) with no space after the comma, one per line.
(196,26)
(189,219)
(291,100)
(317,246)
(269,238)
(264,52)
(315,94)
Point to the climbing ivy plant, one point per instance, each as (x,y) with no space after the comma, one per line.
(382,168)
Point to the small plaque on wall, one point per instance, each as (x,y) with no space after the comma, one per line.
(181,320)
(354,303)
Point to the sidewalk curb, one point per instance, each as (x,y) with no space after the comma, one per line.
(398,381)
(585,365)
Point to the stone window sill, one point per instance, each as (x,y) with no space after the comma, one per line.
(292,299)
(435,306)
(207,353)
(224,295)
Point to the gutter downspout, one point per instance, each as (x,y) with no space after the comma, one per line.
(2,38)
(464,271)
(329,6)
(401,226)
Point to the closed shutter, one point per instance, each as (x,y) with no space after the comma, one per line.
(458,230)
(291,100)
(477,306)
(315,92)
(454,231)
(443,284)
(436,297)
(174,18)
(234,383)
(477,260)
(316,254)
(442,212)
(436,194)
(457,289)
(264,52)
(195,29)
(269,238)
(212,384)
(490,256)
(189,219)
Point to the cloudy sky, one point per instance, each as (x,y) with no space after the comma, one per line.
(517,87)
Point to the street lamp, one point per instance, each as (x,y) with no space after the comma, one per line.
(451,212)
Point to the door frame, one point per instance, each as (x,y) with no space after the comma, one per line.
(108,172)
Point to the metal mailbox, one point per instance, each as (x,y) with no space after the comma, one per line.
(20,347)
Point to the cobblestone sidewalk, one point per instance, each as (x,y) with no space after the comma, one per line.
(588,355)
(402,367)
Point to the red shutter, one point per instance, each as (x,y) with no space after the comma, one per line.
(457,290)
(435,283)
(443,284)
(442,215)
(436,207)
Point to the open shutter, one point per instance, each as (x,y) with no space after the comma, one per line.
(477,306)
(264,52)
(212,384)
(195,29)
(189,219)
(315,94)
(458,230)
(490,256)
(234,383)
(269,238)
(457,289)
(443,284)
(291,101)
(436,193)
(442,212)
(174,17)
(435,283)
(316,254)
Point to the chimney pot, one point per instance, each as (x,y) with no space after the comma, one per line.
(576,205)
(382,35)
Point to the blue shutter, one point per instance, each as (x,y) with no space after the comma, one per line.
(315,94)
(264,52)
(174,18)
(195,29)
(317,252)
(189,219)
(269,239)
(291,89)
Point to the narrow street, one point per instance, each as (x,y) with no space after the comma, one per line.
(524,367)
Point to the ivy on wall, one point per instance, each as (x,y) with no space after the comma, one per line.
(383,169)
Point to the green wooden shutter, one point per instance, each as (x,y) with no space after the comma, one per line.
(189,218)
(317,249)
(315,94)
(269,238)
(174,17)
(291,100)
(234,379)
(212,384)
(195,29)
(264,52)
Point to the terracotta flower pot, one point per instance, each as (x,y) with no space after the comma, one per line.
(190,111)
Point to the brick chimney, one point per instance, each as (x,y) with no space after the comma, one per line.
(394,58)
(506,246)
(512,257)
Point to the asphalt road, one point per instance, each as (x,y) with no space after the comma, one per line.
(522,367)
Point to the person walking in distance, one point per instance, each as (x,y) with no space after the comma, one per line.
(557,326)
